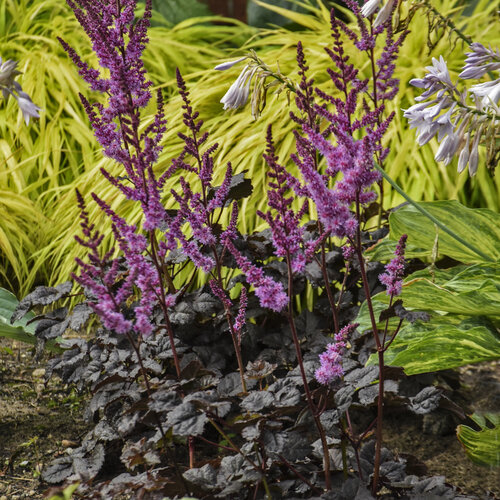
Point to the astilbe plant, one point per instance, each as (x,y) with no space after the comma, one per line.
(350,143)
(161,369)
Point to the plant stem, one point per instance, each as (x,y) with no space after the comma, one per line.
(380,351)
(326,279)
(310,402)
(236,343)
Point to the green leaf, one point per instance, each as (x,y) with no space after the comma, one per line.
(483,446)
(468,298)
(20,330)
(467,290)
(478,227)
(446,342)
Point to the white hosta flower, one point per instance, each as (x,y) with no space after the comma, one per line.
(8,85)
(370,7)
(447,148)
(437,78)
(443,111)
(238,93)
(28,107)
(422,116)
(488,91)
(384,13)
(480,61)
(474,154)
(229,64)
(463,159)
(8,72)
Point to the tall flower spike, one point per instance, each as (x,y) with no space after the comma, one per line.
(331,360)
(287,235)
(393,277)
(445,111)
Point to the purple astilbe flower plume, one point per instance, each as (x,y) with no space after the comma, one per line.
(394,271)
(98,276)
(287,234)
(269,292)
(350,160)
(119,41)
(200,210)
(331,360)
(240,320)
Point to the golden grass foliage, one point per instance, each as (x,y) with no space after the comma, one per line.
(42,164)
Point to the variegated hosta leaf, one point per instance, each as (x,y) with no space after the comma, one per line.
(465,301)
(483,446)
(479,227)
(20,330)
(445,342)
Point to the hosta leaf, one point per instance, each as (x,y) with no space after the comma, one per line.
(479,227)
(445,342)
(483,446)
(19,330)
(473,290)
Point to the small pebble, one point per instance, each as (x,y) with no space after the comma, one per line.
(38,373)
(3,497)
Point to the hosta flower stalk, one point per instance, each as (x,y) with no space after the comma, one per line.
(464,119)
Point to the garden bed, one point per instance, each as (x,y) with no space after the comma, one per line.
(38,422)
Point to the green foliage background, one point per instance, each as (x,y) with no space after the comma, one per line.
(40,165)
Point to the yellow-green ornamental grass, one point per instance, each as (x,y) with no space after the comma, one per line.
(41,165)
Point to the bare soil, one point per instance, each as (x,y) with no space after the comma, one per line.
(38,422)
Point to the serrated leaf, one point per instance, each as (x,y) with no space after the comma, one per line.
(205,477)
(426,400)
(53,324)
(205,303)
(186,420)
(240,187)
(80,314)
(362,377)
(483,446)
(60,469)
(257,400)
(40,296)
(286,393)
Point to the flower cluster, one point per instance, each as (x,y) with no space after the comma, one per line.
(9,86)
(119,41)
(238,93)
(105,280)
(394,271)
(331,360)
(287,234)
(269,292)
(442,110)
(385,13)
(352,158)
